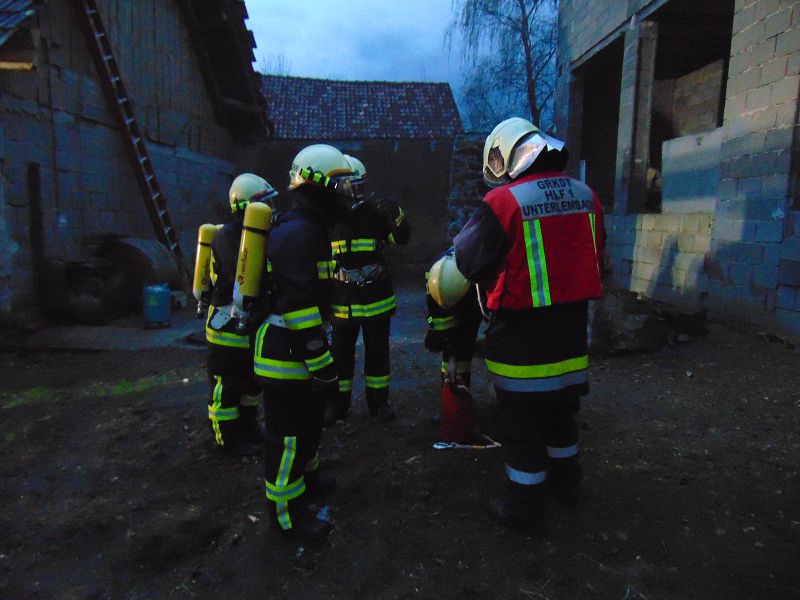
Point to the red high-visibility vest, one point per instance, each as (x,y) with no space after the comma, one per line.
(554,223)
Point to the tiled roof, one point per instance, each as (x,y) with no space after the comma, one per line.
(324,109)
(12,14)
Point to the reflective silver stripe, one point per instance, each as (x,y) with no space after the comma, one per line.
(566,452)
(276,320)
(524,478)
(543,384)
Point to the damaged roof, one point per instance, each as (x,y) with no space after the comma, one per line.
(12,14)
(318,109)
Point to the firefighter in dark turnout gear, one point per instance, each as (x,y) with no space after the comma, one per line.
(292,359)
(364,297)
(454,316)
(536,241)
(233,399)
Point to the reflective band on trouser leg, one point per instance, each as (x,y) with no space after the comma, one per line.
(525,478)
(374,309)
(340,311)
(216,413)
(566,452)
(282,491)
(339,247)
(345,385)
(376,382)
(537,264)
(539,378)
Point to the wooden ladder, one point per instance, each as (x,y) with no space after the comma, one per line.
(111,78)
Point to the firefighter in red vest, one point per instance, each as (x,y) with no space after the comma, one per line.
(536,243)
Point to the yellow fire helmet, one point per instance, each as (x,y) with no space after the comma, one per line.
(511,148)
(247,188)
(318,164)
(446,284)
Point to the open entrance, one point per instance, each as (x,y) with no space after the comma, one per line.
(602,78)
(691,70)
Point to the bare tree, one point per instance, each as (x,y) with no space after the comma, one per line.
(274,64)
(509,56)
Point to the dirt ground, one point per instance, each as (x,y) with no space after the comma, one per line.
(112,489)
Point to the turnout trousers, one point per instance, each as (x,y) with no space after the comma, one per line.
(375,332)
(293,417)
(538,363)
(233,394)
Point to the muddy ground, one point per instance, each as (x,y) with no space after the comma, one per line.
(111,488)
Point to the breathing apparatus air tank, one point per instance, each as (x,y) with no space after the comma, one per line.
(201,285)
(252,259)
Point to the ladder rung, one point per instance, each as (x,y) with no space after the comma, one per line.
(99,35)
(122,100)
(143,159)
(108,57)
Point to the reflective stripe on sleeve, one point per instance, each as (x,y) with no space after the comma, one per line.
(320,362)
(442,323)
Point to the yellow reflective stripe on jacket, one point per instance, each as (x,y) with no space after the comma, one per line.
(303,319)
(223,338)
(374,309)
(537,263)
(356,245)
(325,268)
(538,371)
(442,323)
(320,362)
(363,245)
(280,369)
(341,311)
(376,381)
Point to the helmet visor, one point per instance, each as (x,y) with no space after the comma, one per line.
(350,187)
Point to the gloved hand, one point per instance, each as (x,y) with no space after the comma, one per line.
(435,341)
(388,207)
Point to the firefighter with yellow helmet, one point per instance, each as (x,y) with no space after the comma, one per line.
(454,316)
(536,242)
(292,359)
(233,399)
(364,297)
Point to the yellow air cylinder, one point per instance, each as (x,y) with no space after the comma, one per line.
(252,251)
(201,284)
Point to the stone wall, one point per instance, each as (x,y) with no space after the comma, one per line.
(466,181)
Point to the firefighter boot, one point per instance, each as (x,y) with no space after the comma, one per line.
(307,524)
(564,476)
(338,409)
(319,482)
(250,428)
(232,440)
(522,509)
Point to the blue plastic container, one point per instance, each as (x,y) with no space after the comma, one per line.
(156,306)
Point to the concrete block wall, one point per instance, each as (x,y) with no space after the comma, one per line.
(755,260)
(661,256)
